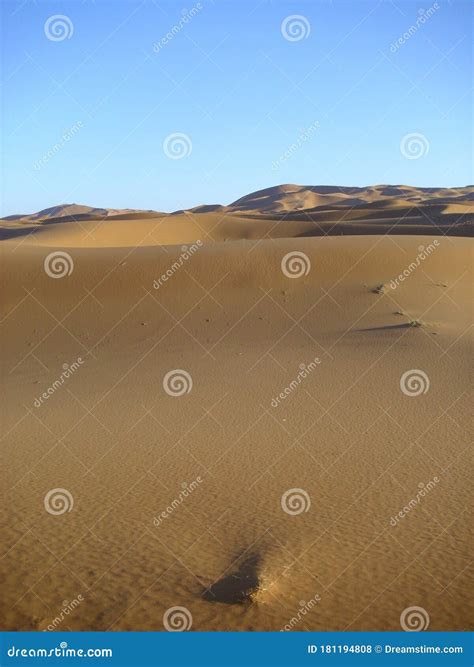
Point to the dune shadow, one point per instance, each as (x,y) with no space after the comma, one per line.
(12,232)
(237,587)
(389,327)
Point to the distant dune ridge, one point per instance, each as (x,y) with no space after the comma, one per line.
(69,210)
(283,211)
(288,199)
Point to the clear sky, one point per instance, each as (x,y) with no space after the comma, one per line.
(329,98)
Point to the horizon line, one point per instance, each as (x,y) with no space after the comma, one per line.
(271,187)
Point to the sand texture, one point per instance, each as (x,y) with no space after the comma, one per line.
(264,475)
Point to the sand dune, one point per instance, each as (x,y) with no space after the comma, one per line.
(71,211)
(257,418)
(287,200)
(285,211)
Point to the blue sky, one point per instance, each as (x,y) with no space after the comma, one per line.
(331,104)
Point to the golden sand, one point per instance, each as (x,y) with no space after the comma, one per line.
(186,500)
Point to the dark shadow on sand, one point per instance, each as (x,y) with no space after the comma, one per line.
(237,587)
(388,327)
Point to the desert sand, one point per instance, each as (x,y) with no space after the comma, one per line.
(189,500)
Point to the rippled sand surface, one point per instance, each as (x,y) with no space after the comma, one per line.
(239,442)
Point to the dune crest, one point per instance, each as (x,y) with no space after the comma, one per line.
(283,211)
(282,199)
